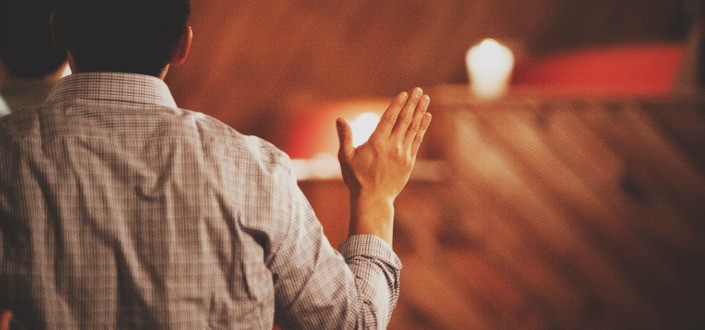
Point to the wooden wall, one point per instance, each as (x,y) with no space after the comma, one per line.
(251,57)
(588,213)
(556,213)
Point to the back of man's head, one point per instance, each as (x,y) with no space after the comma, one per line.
(26,47)
(135,36)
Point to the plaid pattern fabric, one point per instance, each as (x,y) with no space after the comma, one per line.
(119,210)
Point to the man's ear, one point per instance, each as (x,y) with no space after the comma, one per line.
(57,31)
(183,47)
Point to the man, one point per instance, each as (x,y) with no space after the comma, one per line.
(29,62)
(120,210)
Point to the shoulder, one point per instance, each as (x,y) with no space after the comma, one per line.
(222,140)
(17,124)
(256,176)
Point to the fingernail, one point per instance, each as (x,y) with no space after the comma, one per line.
(418,91)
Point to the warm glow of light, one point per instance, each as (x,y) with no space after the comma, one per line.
(66,72)
(489,67)
(363,126)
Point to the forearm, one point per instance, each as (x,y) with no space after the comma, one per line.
(371,215)
(318,288)
(357,291)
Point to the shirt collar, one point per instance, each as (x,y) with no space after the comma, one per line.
(113,86)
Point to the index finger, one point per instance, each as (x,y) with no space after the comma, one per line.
(389,118)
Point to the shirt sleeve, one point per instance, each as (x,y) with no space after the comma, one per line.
(317,287)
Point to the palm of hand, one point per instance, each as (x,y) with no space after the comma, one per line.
(382,166)
(380,169)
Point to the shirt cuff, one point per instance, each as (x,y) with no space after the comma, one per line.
(369,246)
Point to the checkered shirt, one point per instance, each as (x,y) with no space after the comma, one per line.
(120,210)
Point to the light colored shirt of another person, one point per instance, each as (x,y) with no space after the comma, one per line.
(4,108)
(24,93)
(20,93)
(120,210)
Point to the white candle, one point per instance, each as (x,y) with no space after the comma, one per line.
(489,67)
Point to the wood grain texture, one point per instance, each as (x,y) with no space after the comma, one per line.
(604,197)
(250,57)
(558,212)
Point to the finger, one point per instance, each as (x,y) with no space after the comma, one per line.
(389,118)
(416,120)
(344,137)
(419,135)
(406,114)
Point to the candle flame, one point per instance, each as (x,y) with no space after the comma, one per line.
(489,65)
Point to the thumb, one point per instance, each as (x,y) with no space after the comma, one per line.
(345,137)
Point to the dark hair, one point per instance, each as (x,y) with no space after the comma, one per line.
(136,36)
(26,47)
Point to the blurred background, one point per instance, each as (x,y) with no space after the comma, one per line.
(574,200)
(251,59)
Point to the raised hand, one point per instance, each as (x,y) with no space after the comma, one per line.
(377,171)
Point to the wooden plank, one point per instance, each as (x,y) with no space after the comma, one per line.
(590,213)
(656,177)
(450,312)
(580,149)
(535,276)
(641,267)
(465,276)
(609,181)
(666,187)
(534,291)
(684,124)
(680,182)
(567,250)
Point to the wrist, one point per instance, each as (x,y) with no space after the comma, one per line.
(371,214)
